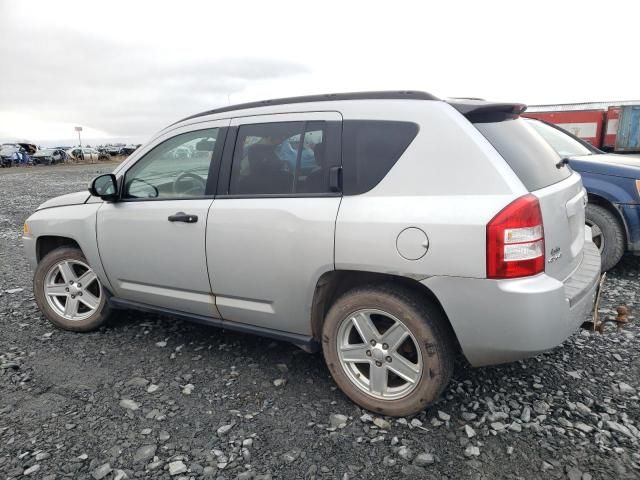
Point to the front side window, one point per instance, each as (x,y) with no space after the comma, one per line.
(279,159)
(176,168)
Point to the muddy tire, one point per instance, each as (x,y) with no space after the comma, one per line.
(608,235)
(68,292)
(389,350)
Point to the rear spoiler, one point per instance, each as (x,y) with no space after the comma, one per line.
(483,111)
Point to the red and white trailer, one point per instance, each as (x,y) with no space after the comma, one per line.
(610,126)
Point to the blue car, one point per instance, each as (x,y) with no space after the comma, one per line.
(613,185)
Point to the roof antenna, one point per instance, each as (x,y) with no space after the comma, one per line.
(228,99)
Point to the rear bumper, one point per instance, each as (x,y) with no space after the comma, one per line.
(498,321)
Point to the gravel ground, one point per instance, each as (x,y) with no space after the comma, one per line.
(154,397)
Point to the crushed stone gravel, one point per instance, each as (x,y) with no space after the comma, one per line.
(154,397)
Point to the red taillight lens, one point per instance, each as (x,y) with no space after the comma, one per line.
(515,240)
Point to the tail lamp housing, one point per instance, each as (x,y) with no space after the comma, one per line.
(515,240)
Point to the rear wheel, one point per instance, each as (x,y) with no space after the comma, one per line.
(388,349)
(607,234)
(68,291)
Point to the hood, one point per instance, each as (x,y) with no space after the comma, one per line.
(76,198)
(608,164)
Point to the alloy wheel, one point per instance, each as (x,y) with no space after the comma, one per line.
(379,354)
(72,289)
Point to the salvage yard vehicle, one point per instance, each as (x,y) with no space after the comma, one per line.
(116,149)
(128,149)
(421,228)
(49,156)
(86,154)
(14,153)
(613,186)
(7,154)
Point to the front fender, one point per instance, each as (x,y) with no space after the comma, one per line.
(613,189)
(77,222)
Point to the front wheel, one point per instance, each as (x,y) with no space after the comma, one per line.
(607,233)
(68,291)
(388,349)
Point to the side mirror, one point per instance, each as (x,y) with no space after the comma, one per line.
(105,186)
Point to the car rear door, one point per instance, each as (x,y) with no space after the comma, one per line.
(152,241)
(270,231)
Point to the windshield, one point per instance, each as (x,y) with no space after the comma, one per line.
(46,151)
(560,141)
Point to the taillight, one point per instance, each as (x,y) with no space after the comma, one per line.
(515,240)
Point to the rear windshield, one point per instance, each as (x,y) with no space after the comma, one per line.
(527,153)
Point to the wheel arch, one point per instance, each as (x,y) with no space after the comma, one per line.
(48,243)
(334,283)
(596,199)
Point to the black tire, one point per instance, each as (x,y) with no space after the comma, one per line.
(98,318)
(612,241)
(426,323)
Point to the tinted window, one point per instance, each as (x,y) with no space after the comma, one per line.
(280,158)
(176,168)
(370,149)
(527,153)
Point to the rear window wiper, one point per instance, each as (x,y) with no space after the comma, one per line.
(562,163)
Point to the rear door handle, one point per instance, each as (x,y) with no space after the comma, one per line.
(183,217)
(335,179)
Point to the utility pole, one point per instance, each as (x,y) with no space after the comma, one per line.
(79,129)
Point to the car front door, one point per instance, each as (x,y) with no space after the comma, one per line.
(270,231)
(152,241)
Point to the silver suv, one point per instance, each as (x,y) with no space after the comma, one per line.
(388,229)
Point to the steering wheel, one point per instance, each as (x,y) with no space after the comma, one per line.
(198,184)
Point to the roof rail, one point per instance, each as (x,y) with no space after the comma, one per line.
(327,97)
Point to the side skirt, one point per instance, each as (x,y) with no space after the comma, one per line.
(306,343)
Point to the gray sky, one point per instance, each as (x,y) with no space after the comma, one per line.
(125,69)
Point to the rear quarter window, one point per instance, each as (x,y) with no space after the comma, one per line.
(531,158)
(370,148)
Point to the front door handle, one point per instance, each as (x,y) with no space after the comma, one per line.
(183,217)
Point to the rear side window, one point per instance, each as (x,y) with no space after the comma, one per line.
(370,148)
(527,153)
(283,158)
